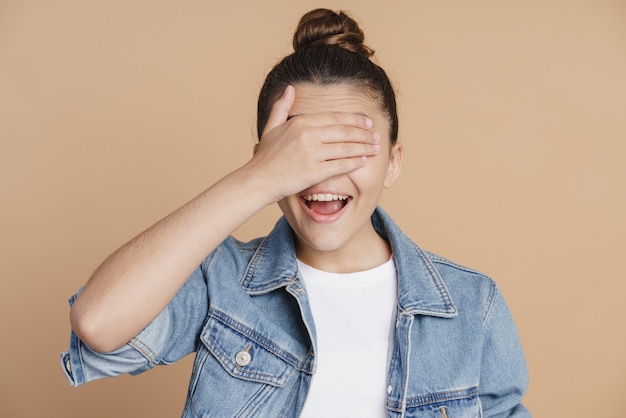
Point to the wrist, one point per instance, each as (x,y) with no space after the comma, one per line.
(253,187)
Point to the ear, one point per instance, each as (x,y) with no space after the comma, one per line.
(395,164)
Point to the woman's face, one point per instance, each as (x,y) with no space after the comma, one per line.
(339,233)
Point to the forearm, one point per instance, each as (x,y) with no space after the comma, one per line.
(133,285)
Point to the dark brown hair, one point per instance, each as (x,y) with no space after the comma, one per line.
(329,49)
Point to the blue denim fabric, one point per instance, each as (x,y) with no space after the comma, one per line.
(454,351)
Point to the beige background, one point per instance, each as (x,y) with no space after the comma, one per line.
(513,116)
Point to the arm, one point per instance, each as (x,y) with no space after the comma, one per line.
(131,287)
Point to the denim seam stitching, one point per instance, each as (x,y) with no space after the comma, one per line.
(256,402)
(235,370)
(436,278)
(490,302)
(144,349)
(442,260)
(261,341)
(439,397)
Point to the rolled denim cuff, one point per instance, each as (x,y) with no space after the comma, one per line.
(72,364)
(81,364)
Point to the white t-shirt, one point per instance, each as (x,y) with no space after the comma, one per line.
(352,314)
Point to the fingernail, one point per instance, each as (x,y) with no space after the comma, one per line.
(368,122)
(376,147)
(376,137)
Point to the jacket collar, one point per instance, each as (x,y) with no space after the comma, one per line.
(421,289)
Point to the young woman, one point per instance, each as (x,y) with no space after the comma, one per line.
(336,312)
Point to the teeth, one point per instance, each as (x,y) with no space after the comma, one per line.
(324,197)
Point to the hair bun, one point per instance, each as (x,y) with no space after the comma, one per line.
(326,27)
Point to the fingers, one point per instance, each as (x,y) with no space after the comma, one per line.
(338,141)
(339,126)
(337,167)
(337,119)
(280,114)
(346,150)
(280,109)
(334,127)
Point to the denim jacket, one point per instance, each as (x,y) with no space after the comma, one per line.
(454,350)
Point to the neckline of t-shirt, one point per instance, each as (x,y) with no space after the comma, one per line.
(364,278)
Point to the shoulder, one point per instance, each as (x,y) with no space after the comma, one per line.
(232,251)
(468,287)
(245,247)
(452,269)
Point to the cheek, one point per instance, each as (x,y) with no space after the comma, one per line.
(288,202)
(372,176)
(286,206)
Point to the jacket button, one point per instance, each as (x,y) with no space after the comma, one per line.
(68,365)
(242,358)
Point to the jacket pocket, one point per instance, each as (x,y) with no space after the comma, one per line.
(236,373)
(243,353)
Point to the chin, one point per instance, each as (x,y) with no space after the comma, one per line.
(322,244)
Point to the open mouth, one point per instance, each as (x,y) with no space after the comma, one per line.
(325,203)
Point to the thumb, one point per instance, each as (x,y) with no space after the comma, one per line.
(280,109)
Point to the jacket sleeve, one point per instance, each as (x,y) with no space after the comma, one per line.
(169,337)
(504,374)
